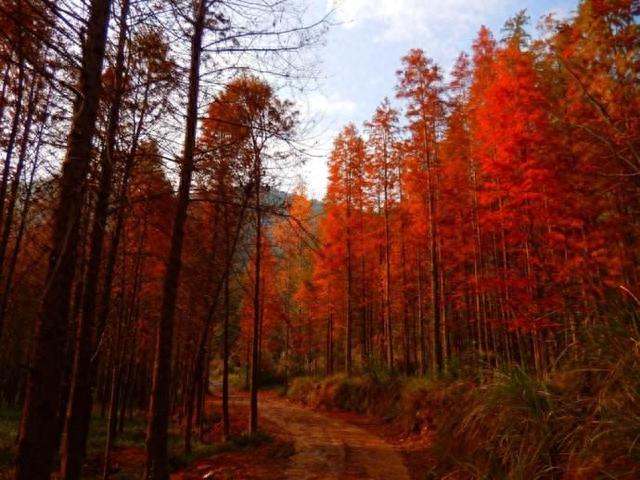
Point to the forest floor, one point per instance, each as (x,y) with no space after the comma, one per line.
(305,444)
(295,442)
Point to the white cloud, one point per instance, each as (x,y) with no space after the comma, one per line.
(404,19)
(315,175)
(322,114)
(332,104)
(315,171)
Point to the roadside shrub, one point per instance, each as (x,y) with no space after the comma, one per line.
(375,395)
(301,389)
(583,422)
(580,422)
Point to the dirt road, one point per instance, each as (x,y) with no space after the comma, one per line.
(307,445)
(328,448)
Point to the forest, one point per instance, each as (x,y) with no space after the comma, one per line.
(463,302)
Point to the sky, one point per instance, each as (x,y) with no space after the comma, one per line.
(364,49)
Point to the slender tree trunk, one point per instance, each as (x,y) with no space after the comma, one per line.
(79,411)
(3,92)
(329,366)
(15,124)
(156,467)
(200,395)
(255,346)
(444,333)
(105,294)
(13,200)
(38,433)
(348,324)
(126,391)
(112,420)
(230,249)
(191,387)
(436,343)
(15,183)
(422,337)
(226,428)
(403,260)
(364,354)
(76,309)
(387,263)
(26,205)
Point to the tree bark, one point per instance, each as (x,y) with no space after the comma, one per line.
(13,195)
(26,205)
(156,467)
(38,433)
(112,419)
(435,334)
(15,183)
(17,114)
(83,381)
(255,344)
(329,359)
(226,421)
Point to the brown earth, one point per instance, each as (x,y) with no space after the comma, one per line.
(305,445)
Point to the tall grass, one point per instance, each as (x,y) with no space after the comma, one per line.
(582,421)
(378,394)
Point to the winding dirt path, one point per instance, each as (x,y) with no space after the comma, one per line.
(308,445)
(327,448)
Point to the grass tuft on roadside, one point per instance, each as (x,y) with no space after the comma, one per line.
(582,421)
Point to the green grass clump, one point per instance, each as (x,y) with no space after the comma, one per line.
(132,436)
(9,422)
(246,439)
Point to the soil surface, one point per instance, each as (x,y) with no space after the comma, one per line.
(305,445)
(330,448)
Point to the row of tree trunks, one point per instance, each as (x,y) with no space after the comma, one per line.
(80,401)
(38,434)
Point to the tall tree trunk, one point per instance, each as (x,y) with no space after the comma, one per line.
(3,92)
(388,331)
(26,205)
(421,327)
(329,360)
(156,467)
(436,339)
(13,198)
(15,183)
(255,345)
(200,357)
(126,390)
(112,419)
(348,324)
(105,294)
(226,429)
(38,433)
(70,348)
(15,124)
(79,410)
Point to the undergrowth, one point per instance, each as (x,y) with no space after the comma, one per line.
(130,440)
(579,422)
